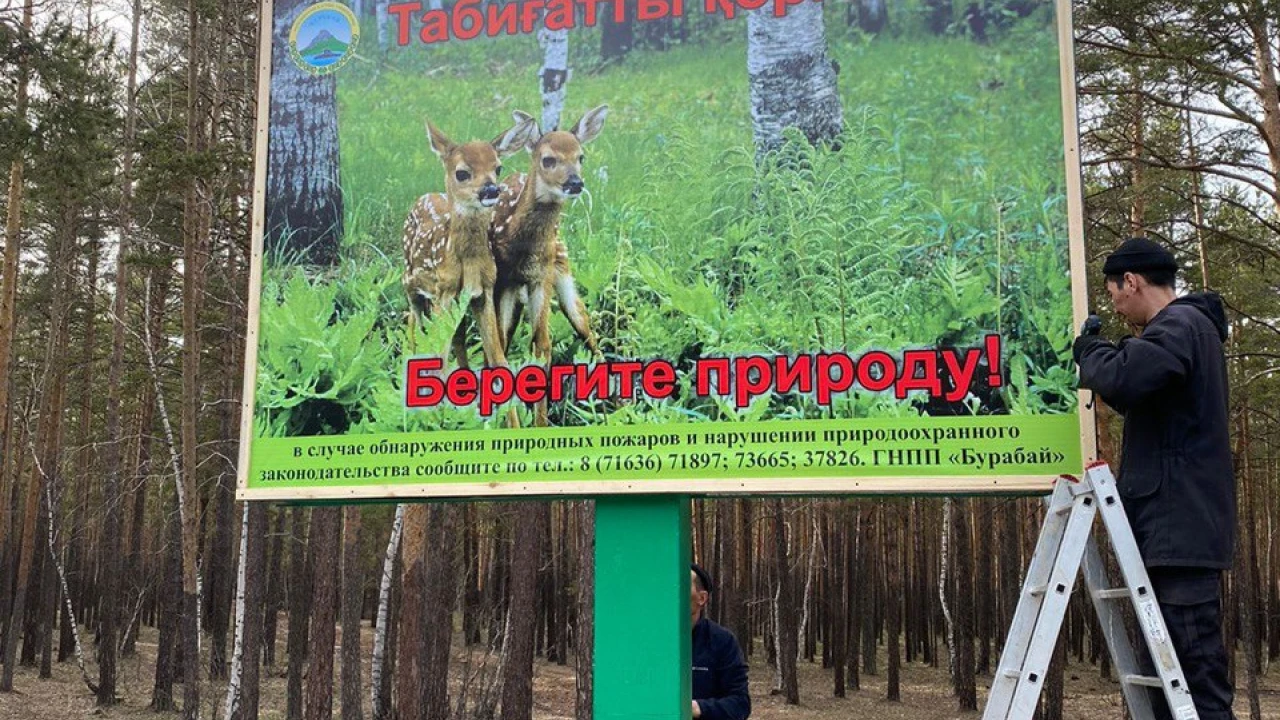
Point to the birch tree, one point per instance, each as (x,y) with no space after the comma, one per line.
(554,75)
(381,703)
(792,79)
(304,216)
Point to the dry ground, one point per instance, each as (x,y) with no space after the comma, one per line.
(925,694)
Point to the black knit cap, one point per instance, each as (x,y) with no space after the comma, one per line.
(703,577)
(1138,254)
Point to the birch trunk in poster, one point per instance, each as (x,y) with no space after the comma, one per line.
(554,75)
(304,220)
(383,22)
(381,703)
(793,81)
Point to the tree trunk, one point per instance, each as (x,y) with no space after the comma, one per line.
(249,624)
(326,529)
(837,603)
(85,450)
(441,586)
(965,683)
(855,547)
(616,38)
(517,679)
(304,213)
(893,601)
(192,294)
(352,599)
(1054,685)
(275,590)
(9,298)
(985,546)
(793,81)
(235,680)
(870,15)
(1245,571)
(872,554)
(299,611)
(411,668)
(110,556)
(382,632)
(584,627)
(219,588)
(169,613)
(8,319)
(788,645)
(30,557)
(1263,35)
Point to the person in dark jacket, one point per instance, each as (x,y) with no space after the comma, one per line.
(719,670)
(1176,477)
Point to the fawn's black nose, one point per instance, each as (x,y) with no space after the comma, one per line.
(488,194)
(573,185)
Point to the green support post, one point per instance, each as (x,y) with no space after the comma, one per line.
(642,656)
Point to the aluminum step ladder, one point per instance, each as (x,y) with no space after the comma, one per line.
(1065,540)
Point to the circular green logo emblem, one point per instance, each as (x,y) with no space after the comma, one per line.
(324,37)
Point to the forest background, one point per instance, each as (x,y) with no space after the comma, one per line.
(128,572)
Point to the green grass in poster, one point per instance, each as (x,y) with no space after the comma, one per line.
(940,218)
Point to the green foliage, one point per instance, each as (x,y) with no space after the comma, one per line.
(938,218)
(330,362)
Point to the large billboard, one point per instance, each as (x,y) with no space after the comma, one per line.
(540,247)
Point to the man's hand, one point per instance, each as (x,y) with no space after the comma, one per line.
(697,711)
(1088,337)
(1092,326)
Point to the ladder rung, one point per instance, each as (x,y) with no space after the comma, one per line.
(1112,594)
(1146,680)
(1062,509)
(1011,673)
(1035,590)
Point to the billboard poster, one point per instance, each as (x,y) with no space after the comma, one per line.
(540,247)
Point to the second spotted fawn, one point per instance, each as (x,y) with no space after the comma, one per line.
(446,237)
(532,262)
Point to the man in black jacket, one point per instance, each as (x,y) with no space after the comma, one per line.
(719,671)
(1176,477)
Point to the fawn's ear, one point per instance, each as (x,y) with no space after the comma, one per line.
(440,143)
(590,125)
(520,116)
(516,138)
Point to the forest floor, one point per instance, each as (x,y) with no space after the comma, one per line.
(925,692)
